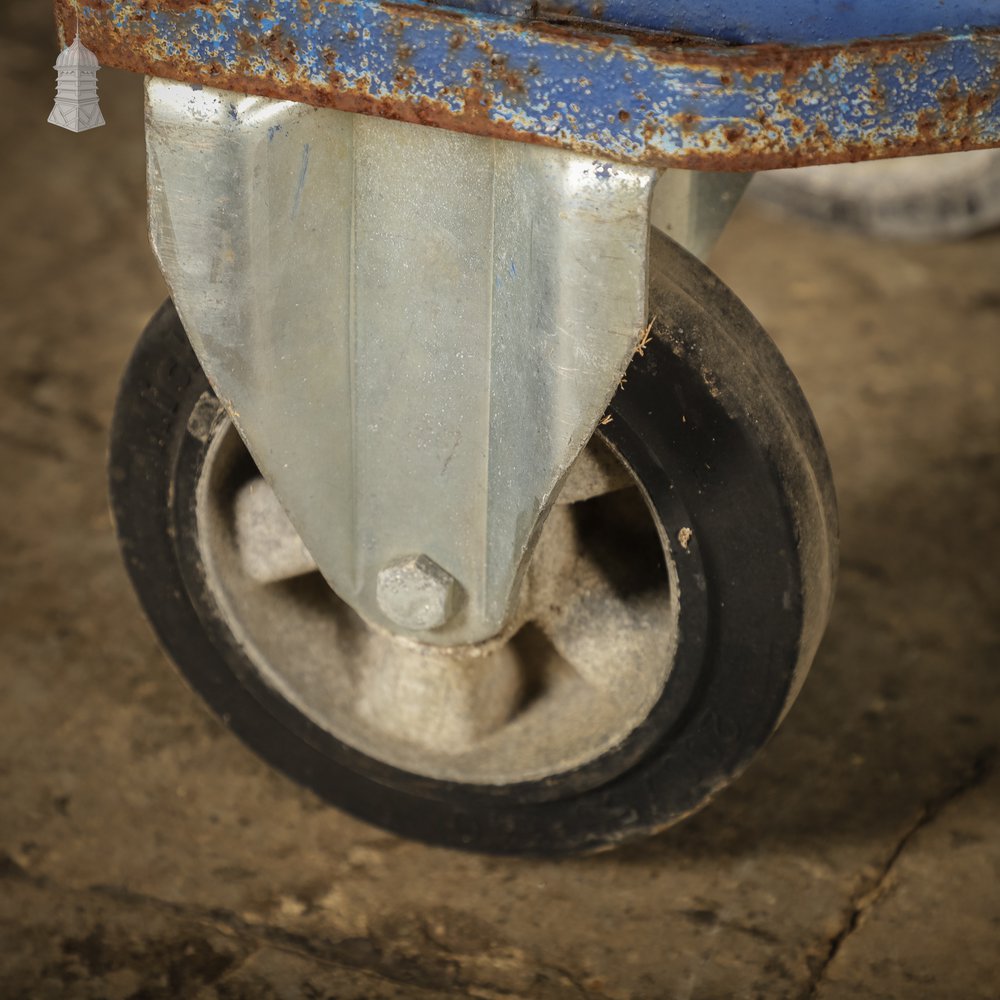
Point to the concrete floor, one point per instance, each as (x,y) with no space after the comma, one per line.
(144,853)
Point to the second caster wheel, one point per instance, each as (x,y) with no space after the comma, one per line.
(675,599)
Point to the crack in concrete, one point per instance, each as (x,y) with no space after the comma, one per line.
(868,896)
(362,955)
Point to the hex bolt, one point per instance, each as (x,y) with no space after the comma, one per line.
(416,593)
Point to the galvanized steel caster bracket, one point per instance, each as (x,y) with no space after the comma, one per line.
(414,331)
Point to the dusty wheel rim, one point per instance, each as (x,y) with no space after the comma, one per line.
(580,669)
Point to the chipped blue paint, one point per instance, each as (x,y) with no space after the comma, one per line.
(637,100)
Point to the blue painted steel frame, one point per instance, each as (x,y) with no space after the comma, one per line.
(649,98)
(796,22)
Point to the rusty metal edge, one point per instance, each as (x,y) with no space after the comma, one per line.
(734,108)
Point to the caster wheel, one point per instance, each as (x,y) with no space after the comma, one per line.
(677,593)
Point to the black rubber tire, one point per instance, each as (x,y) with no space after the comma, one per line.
(717,432)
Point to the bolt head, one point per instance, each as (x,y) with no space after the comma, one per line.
(416,593)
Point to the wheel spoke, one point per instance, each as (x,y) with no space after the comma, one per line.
(608,641)
(269,547)
(607,622)
(439,701)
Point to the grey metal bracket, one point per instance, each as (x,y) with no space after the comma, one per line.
(414,331)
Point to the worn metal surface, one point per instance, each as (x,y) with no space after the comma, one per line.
(655,99)
(416,331)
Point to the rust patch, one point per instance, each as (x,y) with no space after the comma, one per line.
(688,122)
(182,5)
(956,105)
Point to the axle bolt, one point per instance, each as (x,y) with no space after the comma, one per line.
(416,593)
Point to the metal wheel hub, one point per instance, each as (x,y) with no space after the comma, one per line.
(581,665)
